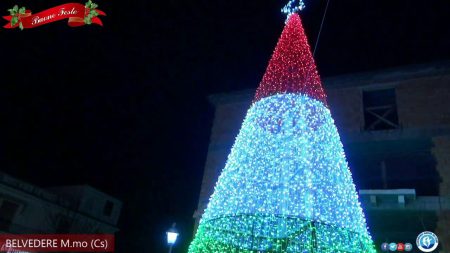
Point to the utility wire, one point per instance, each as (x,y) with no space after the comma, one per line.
(321,26)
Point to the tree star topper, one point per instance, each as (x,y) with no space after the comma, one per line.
(292,7)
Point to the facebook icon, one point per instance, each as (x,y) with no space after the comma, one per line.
(385,247)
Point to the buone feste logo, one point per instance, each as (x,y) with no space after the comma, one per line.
(76,13)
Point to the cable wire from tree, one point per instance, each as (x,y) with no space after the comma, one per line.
(321,26)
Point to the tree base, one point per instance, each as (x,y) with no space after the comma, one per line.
(276,234)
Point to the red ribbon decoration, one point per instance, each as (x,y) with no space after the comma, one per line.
(75,12)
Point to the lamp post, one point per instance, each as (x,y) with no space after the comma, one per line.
(172,235)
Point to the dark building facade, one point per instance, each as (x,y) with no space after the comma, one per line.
(28,209)
(395,127)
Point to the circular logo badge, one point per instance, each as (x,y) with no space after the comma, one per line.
(427,241)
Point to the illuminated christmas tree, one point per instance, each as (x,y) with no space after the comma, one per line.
(286,186)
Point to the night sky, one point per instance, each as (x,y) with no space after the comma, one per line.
(124,107)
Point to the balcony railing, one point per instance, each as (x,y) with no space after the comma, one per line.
(402,199)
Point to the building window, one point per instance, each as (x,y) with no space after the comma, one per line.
(8,210)
(108,208)
(380,110)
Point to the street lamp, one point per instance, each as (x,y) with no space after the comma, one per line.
(172,235)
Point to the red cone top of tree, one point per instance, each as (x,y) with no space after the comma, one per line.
(292,68)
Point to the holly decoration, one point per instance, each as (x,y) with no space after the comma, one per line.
(16,12)
(91,12)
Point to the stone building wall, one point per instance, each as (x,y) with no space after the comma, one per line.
(345,105)
(421,103)
(424,102)
(441,151)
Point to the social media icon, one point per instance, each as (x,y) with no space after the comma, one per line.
(393,246)
(385,247)
(427,241)
(400,246)
(408,247)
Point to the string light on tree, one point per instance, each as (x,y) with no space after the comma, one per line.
(286,186)
(291,68)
